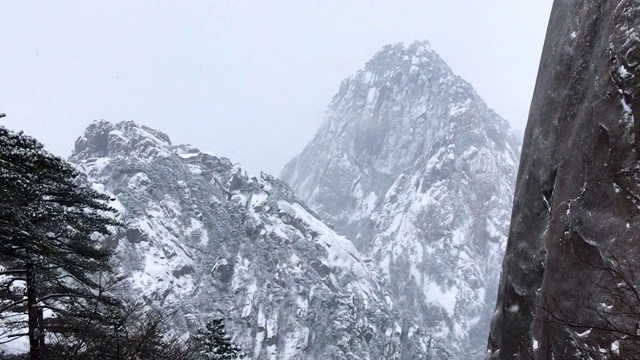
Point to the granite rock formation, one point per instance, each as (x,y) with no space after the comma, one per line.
(205,239)
(577,201)
(418,172)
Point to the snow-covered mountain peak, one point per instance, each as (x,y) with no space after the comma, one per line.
(417,53)
(414,167)
(398,112)
(103,139)
(201,236)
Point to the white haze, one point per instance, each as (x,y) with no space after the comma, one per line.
(245,79)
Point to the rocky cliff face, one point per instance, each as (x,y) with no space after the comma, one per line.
(413,166)
(569,274)
(205,239)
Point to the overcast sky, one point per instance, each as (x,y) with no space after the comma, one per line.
(245,79)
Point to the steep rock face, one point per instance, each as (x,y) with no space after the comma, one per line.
(575,214)
(413,166)
(205,239)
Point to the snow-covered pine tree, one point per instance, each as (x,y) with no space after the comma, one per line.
(47,224)
(211,342)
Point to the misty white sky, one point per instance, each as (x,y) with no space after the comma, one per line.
(245,79)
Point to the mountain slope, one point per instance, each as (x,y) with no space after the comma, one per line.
(413,166)
(205,239)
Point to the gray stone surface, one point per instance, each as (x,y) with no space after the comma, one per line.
(577,192)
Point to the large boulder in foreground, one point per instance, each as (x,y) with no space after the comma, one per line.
(568,280)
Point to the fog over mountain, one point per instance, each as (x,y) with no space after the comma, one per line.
(389,250)
(223,74)
(413,166)
(319,180)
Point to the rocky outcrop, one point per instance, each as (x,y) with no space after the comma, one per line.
(418,171)
(202,237)
(576,209)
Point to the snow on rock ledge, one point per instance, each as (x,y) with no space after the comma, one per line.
(204,238)
(418,172)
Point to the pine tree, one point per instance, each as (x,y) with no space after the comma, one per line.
(48,225)
(211,342)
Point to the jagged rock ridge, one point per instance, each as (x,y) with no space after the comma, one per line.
(576,206)
(205,239)
(413,166)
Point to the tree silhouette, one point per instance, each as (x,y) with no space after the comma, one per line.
(610,314)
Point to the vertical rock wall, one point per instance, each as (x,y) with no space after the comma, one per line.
(576,206)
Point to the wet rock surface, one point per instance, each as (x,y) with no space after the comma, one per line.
(577,193)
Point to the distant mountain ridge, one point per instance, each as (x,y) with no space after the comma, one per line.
(418,172)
